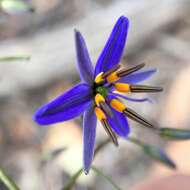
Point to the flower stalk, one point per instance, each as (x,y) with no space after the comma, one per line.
(7,181)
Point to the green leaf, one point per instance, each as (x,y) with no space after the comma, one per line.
(159,155)
(154,152)
(16,6)
(8,182)
(174,134)
(108,179)
(15,58)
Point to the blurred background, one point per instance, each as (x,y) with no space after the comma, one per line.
(159,35)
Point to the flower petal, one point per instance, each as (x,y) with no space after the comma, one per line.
(113,49)
(132,99)
(67,106)
(118,121)
(138,76)
(85,66)
(89,135)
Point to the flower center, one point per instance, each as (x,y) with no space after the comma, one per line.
(102,90)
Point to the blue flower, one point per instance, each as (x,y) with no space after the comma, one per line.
(97,95)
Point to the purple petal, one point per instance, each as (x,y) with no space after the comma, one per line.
(85,66)
(66,106)
(138,77)
(89,135)
(132,99)
(113,49)
(118,122)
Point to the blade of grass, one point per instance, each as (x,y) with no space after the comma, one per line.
(154,152)
(106,178)
(16,6)
(8,182)
(15,58)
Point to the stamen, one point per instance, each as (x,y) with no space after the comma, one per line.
(100,102)
(104,75)
(117,105)
(102,118)
(136,117)
(99,98)
(120,107)
(99,78)
(122,87)
(110,132)
(106,109)
(113,77)
(125,72)
(143,88)
(99,114)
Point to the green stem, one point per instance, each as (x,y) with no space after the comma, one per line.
(8,182)
(73,179)
(135,141)
(98,172)
(101,145)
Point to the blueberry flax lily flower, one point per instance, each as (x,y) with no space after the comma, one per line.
(95,96)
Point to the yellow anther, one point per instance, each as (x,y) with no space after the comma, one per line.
(99,98)
(117,105)
(99,114)
(112,77)
(122,87)
(99,78)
